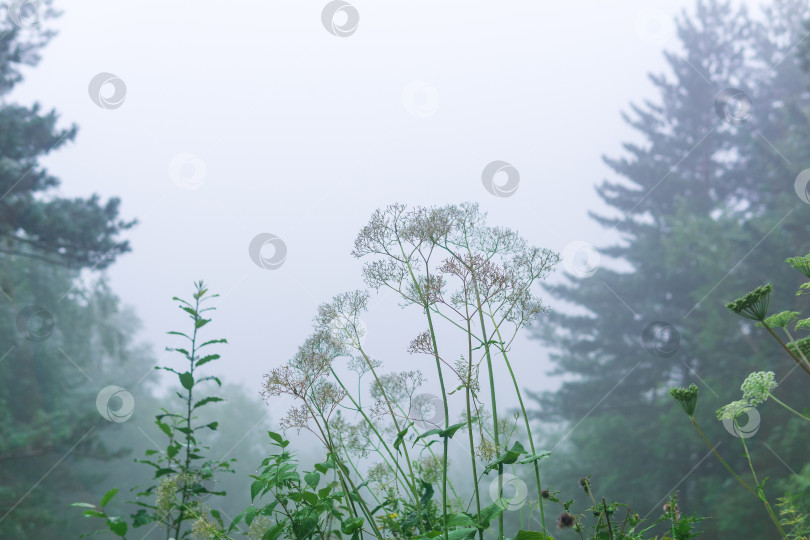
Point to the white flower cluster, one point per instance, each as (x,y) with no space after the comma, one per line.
(758,386)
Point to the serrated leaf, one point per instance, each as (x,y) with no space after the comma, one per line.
(205,401)
(542,454)
(206,359)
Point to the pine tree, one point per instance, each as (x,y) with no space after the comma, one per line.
(706,211)
(73,232)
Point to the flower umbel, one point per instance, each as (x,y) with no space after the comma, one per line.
(802,264)
(733,410)
(757,387)
(753,305)
(686,398)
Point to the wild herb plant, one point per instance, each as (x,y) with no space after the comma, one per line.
(757,389)
(183,477)
(464,277)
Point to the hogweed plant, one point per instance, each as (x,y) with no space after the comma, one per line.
(757,389)
(183,477)
(385,442)
(472,284)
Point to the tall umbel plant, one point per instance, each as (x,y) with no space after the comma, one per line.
(758,388)
(464,276)
(183,477)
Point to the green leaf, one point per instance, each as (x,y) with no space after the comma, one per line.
(107,496)
(312,479)
(542,454)
(118,527)
(310,497)
(400,438)
(274,532)
(460,520)
(172,450)
(532,535)
(350,526)
(205,401)
(255,488)
(164,428)
(83,505)
(206,359)
(94,513)
(508,457)
(461,534)
(491,512)
(187,380)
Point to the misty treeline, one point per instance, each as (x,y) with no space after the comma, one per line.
(705,205)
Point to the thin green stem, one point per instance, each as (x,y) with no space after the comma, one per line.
(719,457)
(760,490)
(798,360)
(786,406)
(528,427)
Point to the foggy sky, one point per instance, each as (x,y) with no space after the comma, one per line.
(303,134)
